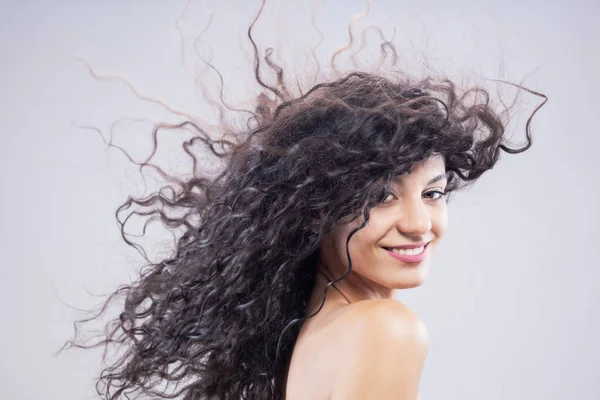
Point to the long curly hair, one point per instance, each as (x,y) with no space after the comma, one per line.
(218,318)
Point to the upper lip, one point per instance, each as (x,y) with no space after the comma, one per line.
(409,246)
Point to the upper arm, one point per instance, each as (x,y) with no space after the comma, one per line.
(386,355)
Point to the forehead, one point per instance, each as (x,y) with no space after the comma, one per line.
(427,169)
(435,163)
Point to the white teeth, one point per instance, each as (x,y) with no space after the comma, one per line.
(410,252)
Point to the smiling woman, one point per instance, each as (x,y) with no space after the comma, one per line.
(377,345)
(394,249)
(343,185)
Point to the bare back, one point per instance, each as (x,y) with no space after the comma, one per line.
(316,352)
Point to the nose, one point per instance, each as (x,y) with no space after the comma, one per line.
(415,219)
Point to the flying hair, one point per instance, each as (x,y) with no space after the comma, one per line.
(218,317)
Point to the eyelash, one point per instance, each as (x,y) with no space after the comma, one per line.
(440,193)
(433,191)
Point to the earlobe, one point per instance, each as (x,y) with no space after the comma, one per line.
(316,221)
(314,226)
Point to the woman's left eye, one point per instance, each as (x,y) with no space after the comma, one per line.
(436,192)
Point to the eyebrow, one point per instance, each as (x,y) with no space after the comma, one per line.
(432,181)
(438,178)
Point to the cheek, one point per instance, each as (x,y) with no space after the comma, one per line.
(440,221)
(364,250)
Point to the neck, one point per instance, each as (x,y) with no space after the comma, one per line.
(350,289)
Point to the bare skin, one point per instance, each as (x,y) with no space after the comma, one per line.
(364,344)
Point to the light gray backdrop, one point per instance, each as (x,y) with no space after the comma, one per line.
(512,299)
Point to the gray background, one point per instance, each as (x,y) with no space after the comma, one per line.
(512,299)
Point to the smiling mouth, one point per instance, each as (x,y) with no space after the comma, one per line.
(409,257)
(424,244)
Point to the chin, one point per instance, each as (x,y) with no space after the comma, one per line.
(413,278)
(410,285)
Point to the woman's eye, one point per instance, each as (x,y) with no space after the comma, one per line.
(434,193)
(389,198)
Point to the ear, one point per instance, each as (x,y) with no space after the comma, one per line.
(316,220)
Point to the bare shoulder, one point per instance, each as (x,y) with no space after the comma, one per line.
(384,318)
(385,345)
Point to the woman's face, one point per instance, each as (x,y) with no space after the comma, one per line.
(415,212)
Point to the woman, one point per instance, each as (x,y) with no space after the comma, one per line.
(282,283)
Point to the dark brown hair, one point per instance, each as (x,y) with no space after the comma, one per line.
(218,318)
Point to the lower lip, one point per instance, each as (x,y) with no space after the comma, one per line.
(407,258)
